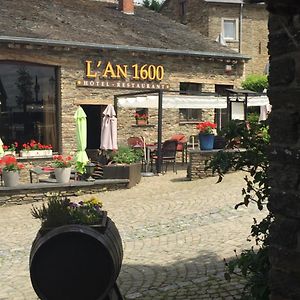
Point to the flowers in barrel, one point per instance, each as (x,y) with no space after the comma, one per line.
(60,161)
(10,163)
(206,127)
(60,211)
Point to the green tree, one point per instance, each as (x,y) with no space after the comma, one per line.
(256,83)
(153,4)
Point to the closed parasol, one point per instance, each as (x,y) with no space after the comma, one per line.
(109,129)
(81,136)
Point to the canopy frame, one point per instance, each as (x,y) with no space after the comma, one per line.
(160,94)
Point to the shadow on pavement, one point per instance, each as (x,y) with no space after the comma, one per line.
(198,278)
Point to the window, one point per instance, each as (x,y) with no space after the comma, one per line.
(28,103)
(182,8)
(230,29)
(221,116)
(190,88)
(141,116)
(190,114)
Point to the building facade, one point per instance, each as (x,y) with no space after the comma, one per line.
(241,26)
(43,81)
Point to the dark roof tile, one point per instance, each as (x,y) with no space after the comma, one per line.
(101,23)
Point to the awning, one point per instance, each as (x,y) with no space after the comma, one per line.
(185,101)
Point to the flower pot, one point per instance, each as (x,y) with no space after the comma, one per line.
(62,175)
(206,141)
(34,153)
(10,178)
(141,122)
(8,152)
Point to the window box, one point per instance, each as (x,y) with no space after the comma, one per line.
(35,153)
(10,153)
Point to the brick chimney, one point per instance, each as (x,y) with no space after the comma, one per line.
(126,6)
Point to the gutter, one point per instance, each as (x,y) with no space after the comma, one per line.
(241,28)
(62,43)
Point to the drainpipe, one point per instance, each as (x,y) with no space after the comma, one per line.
(241,27)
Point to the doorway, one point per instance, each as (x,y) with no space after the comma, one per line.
(94,123)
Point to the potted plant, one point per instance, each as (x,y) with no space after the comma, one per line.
(141,119)
(77,252)
(34,148)
(206,135)
(62,168)
(10,169)
(125,163)
(11,149)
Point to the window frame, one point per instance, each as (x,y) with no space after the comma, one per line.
(57,94)
(184,90)
(236,21)
(189,118)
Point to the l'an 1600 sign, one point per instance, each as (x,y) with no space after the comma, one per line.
(107,75)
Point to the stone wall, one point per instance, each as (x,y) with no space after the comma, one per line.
(207,19)
(208,71)
(198,161)
(19,195)
(284,176)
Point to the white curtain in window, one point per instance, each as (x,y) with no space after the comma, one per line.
(230,29)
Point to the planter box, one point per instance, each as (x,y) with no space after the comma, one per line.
(10,153)
(131,172)
(35,153)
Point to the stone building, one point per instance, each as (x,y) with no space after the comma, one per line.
(243,27)
(56,56)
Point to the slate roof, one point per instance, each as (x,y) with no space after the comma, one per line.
(226,1)
(84,22)
(235,1)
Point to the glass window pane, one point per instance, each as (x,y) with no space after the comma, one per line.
(189,114)
(230,29)
(28,104)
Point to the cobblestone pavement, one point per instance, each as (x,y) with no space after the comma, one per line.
(176,234)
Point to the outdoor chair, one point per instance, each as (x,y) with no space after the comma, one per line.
(181,146)
(168,151)
(135,142)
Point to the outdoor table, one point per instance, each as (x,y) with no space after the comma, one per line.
(150,148)
(39,171)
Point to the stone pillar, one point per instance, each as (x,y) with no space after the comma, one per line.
(284,173)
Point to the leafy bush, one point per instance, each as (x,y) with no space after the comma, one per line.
(256,83)
(251,264)
(126,155)
(253,117)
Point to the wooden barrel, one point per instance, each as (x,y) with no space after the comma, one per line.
(76,262)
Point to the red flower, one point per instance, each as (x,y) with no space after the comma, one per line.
(9,163)
(206,127)
(12,147)
(141,116)
(62,162)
